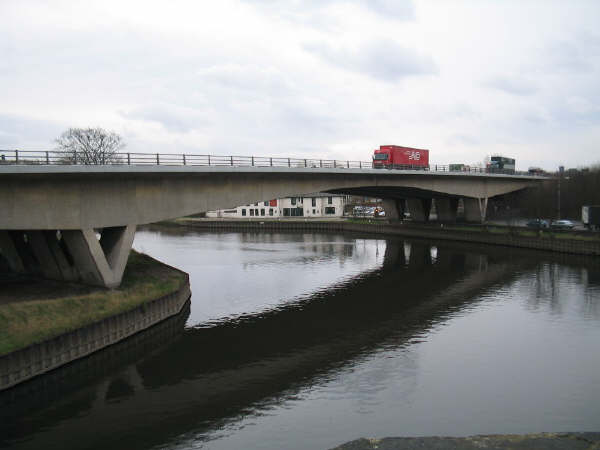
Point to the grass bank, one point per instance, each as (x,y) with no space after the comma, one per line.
(37,310)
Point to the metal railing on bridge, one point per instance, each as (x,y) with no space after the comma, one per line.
(54,157)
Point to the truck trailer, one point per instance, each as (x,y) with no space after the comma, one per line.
(397,157)
(590,216)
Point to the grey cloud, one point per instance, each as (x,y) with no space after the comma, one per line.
(246,78)
(463,139)
(571,57)
(514,86)
(397,9)
(382,59)
(173,118)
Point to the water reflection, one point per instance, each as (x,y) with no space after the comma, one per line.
(220,372)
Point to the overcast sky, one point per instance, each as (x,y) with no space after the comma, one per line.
(312,78)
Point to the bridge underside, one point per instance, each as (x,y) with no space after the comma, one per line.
(418,202)
(77,223)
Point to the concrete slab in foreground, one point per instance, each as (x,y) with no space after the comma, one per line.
(546,441)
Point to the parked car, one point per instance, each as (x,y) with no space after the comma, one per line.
(562,225)
(538,223)
(364,211)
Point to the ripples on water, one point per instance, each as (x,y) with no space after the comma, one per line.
(310,340)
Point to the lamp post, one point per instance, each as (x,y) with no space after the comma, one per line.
(561,171)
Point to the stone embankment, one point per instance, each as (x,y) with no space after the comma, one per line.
(563,242)
(545,441)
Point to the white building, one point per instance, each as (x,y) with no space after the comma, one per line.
(308,205)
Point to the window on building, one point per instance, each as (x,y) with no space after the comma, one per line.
(251,212)
(329,200)
(300,200)
(243,212)
(256,204)
(270,211)
(293,199)
(286,211)
(256,212)
(314,202)
(330,210)
(314,211)
(266,203)
(262,211)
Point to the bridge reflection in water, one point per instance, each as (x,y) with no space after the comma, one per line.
(173,381)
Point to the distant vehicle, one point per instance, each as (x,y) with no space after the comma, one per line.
(501,164)
(562,225)
(590,216)
(364,211)
(536,171)
(538,223)
(397,157)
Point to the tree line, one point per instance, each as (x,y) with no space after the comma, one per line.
(566,192)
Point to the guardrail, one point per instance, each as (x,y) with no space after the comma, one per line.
(54,157)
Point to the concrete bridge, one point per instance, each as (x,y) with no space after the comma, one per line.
(77,222)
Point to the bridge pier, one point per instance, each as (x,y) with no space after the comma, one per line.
(475,209)
(419,208)
(446,208)
(394,208)
(71,255)
(100,263)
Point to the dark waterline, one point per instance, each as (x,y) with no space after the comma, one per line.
(310,340)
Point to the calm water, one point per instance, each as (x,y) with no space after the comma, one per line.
(296,341)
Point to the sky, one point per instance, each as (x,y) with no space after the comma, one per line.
(308,79)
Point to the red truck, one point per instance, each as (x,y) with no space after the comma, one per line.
(397,157)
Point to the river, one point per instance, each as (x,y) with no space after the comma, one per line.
(295,341)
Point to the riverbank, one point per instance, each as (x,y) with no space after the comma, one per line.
(578,243)
(45,324)
(563,441)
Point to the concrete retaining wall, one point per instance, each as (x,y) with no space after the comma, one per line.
(39,358)
(544,242)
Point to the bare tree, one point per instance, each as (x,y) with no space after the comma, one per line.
(89,146)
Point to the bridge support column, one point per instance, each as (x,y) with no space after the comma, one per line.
(446,208)
(10,252)
(394,208)
(419,208)
(475,209)
(100,262)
